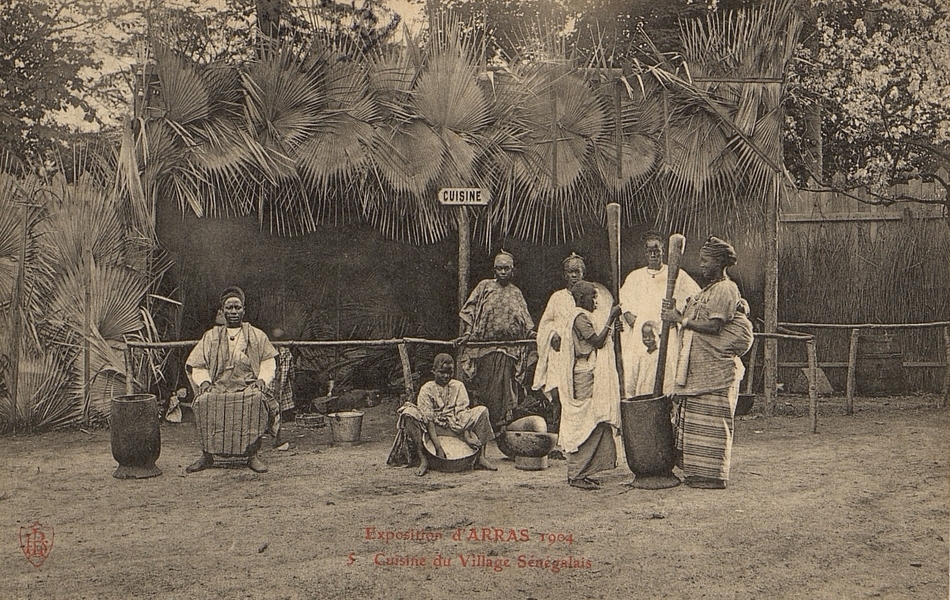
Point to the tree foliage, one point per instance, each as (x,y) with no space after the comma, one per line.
(40,75)
(878,74)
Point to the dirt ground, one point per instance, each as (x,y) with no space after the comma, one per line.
(859,510)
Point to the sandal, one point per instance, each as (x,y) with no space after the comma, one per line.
(705,483)
(583,484)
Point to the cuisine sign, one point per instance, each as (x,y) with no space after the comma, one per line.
(463,197)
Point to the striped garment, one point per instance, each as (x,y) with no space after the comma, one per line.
(707,381)
(232,414)
(284,382)
(229,422)
(704,431)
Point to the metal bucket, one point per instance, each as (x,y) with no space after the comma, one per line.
(136,436)
(648,441)
(345,427)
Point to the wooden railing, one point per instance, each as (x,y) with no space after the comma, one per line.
(853,351)
(402,343)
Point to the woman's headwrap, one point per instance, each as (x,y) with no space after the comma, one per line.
(574,258)
(504,256)
(232,292)
(583,289)
(441,360)
(718,249)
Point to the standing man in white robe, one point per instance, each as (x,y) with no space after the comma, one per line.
(641,298)
(555,326)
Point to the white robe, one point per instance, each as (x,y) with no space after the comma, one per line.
(642,294)
(580,417)
(557,319)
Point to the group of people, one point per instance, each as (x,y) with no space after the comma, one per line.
(575,368)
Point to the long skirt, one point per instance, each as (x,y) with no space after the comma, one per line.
(704,430)
(597,453)
(494,386)
(229,423)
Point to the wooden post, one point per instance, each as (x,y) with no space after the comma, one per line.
(852,367)
(619,126)
(127,355)
(406,372)
(750,374)
(613,244)
(770,359)
(86,334)
(812,384)
(946,381)
(465,242)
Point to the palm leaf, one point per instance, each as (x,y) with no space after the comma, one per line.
(183,98)
(43,401)
(409,157)
(82,219)
(114,297)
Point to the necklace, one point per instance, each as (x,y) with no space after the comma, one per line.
(715,281)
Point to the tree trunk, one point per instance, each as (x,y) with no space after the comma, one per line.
(813,152)
(268,18)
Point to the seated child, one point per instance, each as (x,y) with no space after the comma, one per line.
(442,408)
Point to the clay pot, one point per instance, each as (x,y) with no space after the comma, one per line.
(744,404)
(136,436)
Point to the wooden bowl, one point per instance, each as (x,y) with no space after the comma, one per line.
(526,443)
(529,423)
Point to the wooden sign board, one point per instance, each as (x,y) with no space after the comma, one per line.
(463,197)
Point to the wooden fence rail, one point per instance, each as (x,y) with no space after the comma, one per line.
(401,346)
(399,343)
(853,351)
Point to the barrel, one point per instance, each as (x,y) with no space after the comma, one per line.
(648,441)
(136,436)
(880,365)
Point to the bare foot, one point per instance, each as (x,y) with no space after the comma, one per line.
(484,464)
(423,467)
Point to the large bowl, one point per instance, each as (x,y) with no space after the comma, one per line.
(459,456)
(531,444)
(526,436)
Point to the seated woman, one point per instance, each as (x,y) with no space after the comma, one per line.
(590,392)
(232,368)
(442,408)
